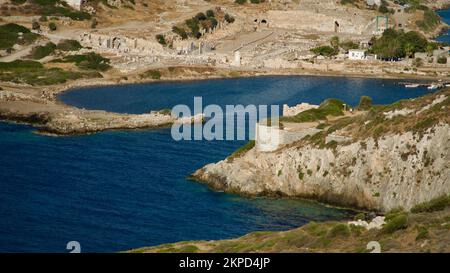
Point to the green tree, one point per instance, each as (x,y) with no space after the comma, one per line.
(335,42)
(52,26)
(409,50)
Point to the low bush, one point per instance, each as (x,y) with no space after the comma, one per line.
(153,74)
(34,73)
(9,35)
(40,52)
(91,61)
(365,103)
(326,51)
(436,204)
(69,45)
(339,230)
(330,107)
(397,222)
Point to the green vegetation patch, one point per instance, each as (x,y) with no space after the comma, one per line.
(396,222)
(40,52)
(60,8)
(9,35)
(34,73)
(69,45)
(87,61)
(330,107)
(152,74)
(339,230)
(436,204)
(400,44)
(325,50)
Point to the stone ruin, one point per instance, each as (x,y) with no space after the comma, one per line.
(120,44)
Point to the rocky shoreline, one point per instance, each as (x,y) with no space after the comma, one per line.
(39,106)
(402,167)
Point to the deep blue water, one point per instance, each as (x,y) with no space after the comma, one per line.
(118,190)
(445,15)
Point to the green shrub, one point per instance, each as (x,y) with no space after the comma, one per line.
(200,16)
(339,230)
(345,2)
(40,52)
(365,103)
(360,216)
(392,213)
(397,222)
(20,65)
(240,2)
(52,26)
(153,74)
(422,233)
(91,60)
(399,44)
(69,45)
(330,107)
(326,51)
(210,13)
(383,9)
(34,73)
(160,38)
(180,31)
(229,18)
(35,26)
(301,175)
(9,35)
(436,204)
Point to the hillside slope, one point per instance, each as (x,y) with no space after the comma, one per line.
(395,156)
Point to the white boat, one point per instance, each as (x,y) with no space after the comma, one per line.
(415,85)
(433,87)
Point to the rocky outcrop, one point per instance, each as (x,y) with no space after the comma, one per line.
(398,169)
(75,122)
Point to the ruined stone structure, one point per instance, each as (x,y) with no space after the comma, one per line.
(120,44)
(308,20)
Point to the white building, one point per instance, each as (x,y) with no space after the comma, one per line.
(237,58)
(357,54)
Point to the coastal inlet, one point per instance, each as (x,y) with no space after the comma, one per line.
(120,190)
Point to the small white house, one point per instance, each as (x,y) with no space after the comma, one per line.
(237,58)
(357,54)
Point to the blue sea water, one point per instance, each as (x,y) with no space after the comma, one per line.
(445,15)
(118,190)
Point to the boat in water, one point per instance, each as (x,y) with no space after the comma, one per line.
(415,85)
(434,86)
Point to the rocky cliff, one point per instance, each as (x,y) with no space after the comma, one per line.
(398,156)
